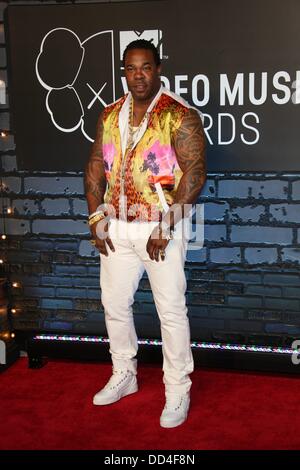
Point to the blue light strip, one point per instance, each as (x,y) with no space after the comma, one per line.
(156,342)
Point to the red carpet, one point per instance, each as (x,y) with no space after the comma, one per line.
(51,408)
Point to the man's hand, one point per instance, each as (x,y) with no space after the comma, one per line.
(156,244)
(100,234)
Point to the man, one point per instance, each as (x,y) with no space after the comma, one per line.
(147,163)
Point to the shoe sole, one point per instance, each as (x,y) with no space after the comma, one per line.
(166,424)
(105,402)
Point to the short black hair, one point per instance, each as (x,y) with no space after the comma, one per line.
(142,44)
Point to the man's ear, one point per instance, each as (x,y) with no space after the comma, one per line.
(159,69)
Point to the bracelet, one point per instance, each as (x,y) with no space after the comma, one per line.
(98,212)
(96,218)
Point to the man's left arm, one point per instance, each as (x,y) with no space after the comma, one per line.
(189,144)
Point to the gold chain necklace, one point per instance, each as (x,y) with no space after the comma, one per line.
(131,132)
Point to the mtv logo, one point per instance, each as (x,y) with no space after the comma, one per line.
(152,35)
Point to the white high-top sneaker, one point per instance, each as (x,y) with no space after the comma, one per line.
(175,411)
(119,385)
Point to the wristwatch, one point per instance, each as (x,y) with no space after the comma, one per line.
(165,231)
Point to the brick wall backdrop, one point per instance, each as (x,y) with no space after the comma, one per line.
(242,286)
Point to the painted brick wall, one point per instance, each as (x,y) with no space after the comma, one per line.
(242,286)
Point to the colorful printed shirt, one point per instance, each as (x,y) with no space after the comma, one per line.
(133,176)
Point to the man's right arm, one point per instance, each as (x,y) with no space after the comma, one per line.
(95,187)
(94,178)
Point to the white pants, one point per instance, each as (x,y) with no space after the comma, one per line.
(121,272)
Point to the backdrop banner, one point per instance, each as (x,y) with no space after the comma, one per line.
(238,62)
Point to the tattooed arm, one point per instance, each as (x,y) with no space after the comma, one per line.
(189,143)
(94,178)
(95,186)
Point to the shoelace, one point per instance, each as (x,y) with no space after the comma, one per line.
(116,380)
(174,403)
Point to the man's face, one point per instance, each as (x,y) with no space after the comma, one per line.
(142,74)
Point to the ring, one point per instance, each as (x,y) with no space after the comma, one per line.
(93,242)
(162,254)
